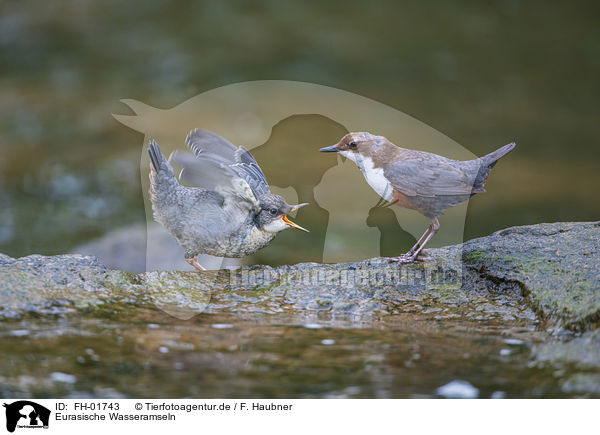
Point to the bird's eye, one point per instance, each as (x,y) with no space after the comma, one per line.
(352,145)
(273,211)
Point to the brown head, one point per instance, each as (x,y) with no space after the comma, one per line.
(367,145)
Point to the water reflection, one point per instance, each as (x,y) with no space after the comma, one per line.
(273,356)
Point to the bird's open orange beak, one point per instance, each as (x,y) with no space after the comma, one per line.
(292,224)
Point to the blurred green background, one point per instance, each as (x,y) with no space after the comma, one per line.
(482,73)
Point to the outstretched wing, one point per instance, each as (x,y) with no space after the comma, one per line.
(210,146)
(203,142)
(219,165)
(247,168)
(426,174)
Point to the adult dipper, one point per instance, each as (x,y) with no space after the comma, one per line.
(228,212)
(417,180)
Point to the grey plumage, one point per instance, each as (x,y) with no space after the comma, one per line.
(214,151)
(419,173)
(488,161)
(435,183)
(228,211)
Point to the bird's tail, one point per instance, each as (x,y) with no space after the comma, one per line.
(489,161)
(494,156)
(157,158)
(163,182)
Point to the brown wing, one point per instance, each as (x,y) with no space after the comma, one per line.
(426,174)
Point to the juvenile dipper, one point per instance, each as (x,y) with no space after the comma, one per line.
(416,180)
(230,210)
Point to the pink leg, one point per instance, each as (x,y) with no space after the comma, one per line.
(194,262)
(414,252)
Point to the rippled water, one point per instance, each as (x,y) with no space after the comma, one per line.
(275,356)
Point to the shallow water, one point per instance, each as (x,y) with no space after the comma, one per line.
(274,356)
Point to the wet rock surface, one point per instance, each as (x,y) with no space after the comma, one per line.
(511,315)
(556,267)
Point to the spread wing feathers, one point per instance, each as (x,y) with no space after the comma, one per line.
(208,173)
(209,146)
(212,174)
(207,142)
(425,176)
(247,168)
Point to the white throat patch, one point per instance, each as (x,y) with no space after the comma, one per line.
(275,226)
(373,175)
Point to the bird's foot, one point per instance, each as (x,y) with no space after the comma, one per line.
(404,258)
(194,262)
(424,256)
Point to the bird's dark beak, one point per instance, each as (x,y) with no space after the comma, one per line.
(331,149)
(292,224)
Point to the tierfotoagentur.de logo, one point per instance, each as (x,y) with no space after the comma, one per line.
(25,414)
